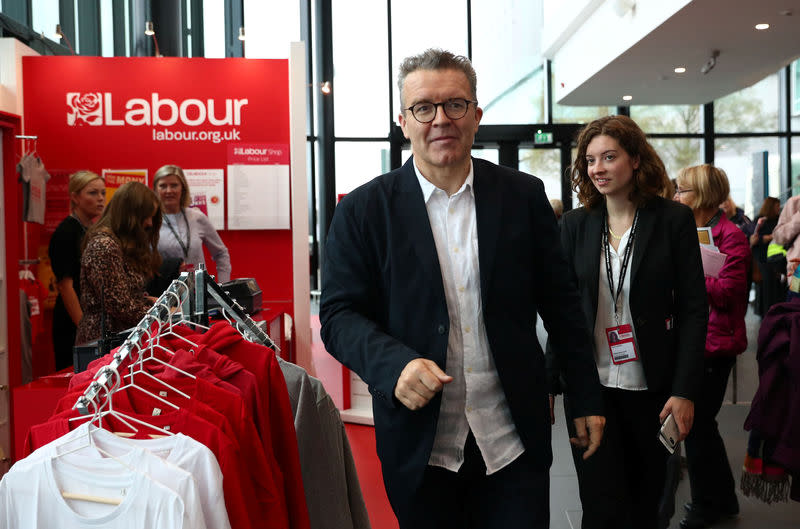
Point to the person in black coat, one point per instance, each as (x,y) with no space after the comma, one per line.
(87,197)
(636,259)
(770,289)
(433,275)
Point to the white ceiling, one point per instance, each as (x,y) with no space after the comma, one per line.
(746,55)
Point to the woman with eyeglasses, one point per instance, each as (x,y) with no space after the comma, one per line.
(703,188)
(635,258)
(185,230)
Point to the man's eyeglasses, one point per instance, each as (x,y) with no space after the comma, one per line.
(453,108)
(682,191)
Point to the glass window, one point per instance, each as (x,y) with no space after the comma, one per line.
(744,159)
(544,164)
(270,27)
(361,101)
(214,29)
(568,114)
(508,62)
(490,154)
(421,24)
(754,109)
(44,17)
(359,162)
(677,153)
(669,118)
(107,28)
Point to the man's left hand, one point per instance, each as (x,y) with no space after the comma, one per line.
(589,433)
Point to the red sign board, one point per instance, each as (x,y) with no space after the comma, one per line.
(142,112)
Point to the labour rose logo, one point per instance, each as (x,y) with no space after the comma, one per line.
(84,109)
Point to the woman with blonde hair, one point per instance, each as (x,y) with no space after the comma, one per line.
(185,230)
(120,254)
(703,188)
(87,197)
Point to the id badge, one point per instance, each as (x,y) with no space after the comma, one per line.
(621,344)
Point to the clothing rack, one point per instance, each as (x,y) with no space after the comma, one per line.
(205,284)
(184,292)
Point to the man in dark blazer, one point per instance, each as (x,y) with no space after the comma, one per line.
(433,277)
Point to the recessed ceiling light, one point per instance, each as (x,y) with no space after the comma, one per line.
(680,69)
(627,98)
(762,26)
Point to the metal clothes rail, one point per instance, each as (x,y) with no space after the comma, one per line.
(188,291)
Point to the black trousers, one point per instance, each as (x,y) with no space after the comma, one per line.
(710,476)
(64,332)
(622,484)
(516,497)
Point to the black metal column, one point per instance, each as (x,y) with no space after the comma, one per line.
(89,38)
(168,23)
(234,19)
(307,35)
(118,21)
(708,133)
(66,15)
(141,45)
(327,156)
(508,154)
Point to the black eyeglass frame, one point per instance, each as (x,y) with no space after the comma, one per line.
(444,108)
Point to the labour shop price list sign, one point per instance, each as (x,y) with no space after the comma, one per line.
(258,187)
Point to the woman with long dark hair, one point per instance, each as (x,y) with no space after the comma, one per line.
(635,258)
(120,254)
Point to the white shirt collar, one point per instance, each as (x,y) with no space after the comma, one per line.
(428,188)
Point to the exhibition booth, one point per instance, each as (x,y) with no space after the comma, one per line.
(236,126)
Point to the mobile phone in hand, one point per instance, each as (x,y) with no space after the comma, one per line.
(669,433)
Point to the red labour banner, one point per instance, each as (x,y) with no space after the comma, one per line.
(141,113)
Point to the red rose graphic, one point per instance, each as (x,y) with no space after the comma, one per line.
(85,108)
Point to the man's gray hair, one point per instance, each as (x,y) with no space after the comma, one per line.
(437,59)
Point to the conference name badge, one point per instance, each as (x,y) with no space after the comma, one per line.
(621,344)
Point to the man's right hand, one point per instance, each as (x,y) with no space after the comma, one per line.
(419,381)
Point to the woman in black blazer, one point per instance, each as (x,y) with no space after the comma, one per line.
(636,260)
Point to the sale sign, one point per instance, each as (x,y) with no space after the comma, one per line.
(115,178)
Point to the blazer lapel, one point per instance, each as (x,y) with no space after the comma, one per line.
(416,225)
(593,243)
(644,231)
(488,210)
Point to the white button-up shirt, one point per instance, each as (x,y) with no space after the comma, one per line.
(474,399)
(629,375)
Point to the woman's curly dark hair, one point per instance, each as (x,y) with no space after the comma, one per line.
(131,205)
(649,179)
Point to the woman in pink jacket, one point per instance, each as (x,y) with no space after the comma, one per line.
(704,188)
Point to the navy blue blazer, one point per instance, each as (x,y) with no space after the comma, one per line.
(383,305)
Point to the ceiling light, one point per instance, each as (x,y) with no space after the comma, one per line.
(680,69)
(762,26)
(627,98)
